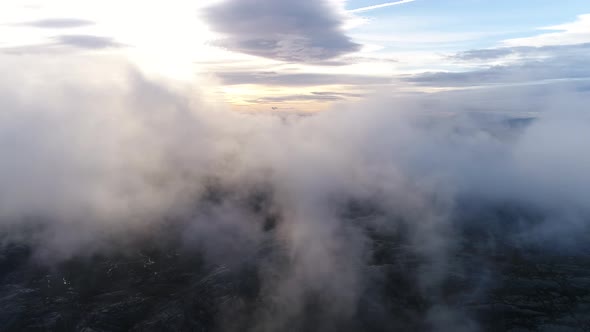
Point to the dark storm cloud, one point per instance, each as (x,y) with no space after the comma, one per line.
(290,30)
(307,79)
(58,23)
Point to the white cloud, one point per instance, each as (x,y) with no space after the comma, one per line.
(576,32)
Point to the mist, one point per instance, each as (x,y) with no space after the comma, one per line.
(99,160)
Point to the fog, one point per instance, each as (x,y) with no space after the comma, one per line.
(96,157)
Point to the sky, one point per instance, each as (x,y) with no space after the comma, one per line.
(308,55)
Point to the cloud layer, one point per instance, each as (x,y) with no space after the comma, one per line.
(93,151)
(518,65)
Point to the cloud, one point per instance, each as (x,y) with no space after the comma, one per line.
(58,23)
(292,30)
(567,66)
(300,79)
(313,97)
(351,60)
(576,32)
(383,5)
(46,49)
(519,64)
(325,209)
(521,51)
(64,44)
(87,41)
(485,54)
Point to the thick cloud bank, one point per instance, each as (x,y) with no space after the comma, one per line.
(96,157)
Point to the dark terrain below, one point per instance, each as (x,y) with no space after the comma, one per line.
(159,285)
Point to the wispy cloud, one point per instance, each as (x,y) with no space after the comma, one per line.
(565,68)
(298,79)
(521,51)
(65,44)
(87,41)
(58,23)
(383,5)
(576,32)
(324,96)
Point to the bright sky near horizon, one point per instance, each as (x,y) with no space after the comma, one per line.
(305,55)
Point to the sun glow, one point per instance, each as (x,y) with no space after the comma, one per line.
(158,37)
